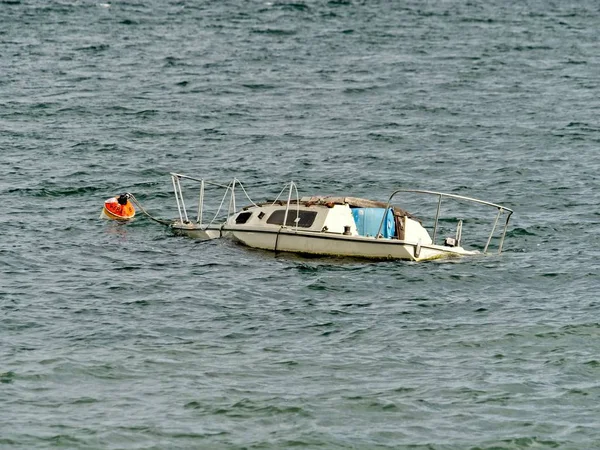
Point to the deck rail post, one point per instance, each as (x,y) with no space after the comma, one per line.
(437,218)
(200,203)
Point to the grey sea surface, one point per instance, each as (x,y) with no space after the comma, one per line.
(124,336)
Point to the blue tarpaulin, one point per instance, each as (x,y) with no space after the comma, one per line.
(368,220)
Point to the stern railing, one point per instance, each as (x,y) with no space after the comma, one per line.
(442,195)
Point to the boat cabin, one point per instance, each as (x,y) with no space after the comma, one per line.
(348,216)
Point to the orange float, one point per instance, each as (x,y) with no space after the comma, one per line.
(118,208)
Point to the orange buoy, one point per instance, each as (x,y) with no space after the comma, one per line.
(118,208)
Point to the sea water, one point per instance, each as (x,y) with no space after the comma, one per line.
(124,336)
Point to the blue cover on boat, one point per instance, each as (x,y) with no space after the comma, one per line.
(368,220)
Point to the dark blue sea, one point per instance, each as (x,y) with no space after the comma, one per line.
(125,336)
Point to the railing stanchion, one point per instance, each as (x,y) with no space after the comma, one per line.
(182,202)
(200,203)
(232,198)
(287,207)
(176,191)
(493,230)
(437,217)
(503,234)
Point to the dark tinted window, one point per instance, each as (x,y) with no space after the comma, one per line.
(243,217)
(306,218)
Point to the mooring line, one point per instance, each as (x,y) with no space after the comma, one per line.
(139,205)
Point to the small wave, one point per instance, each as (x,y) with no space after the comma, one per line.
(84,401)
(93,48)
(553,274)
(193,405)
(148,134)
(515,232)
(519,443)
(77,110)
(119,108)
(578,392)
(383,406)
(584,329)
(329,332)
(46,192)
(360,90)
(322,285)
(293,6)
(258,86)
(357,305)
(523,48)
(389,138)
(62,440)
(146,113)
(290,363)
(43,105)
(172,61)
(275,32)
(246,406)
(477,20)
(319,325)
(581,126)
(7,377)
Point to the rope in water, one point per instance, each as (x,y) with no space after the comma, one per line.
(139,205)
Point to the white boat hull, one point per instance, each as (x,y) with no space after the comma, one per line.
(322,244)
(329,244)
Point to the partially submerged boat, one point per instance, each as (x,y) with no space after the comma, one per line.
(335,225)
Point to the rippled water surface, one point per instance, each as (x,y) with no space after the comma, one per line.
(124,336)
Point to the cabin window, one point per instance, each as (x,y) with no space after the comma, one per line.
(307,218)
(243,217)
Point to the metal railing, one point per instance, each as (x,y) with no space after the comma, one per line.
(441,195)
(230,194)
(230,191)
